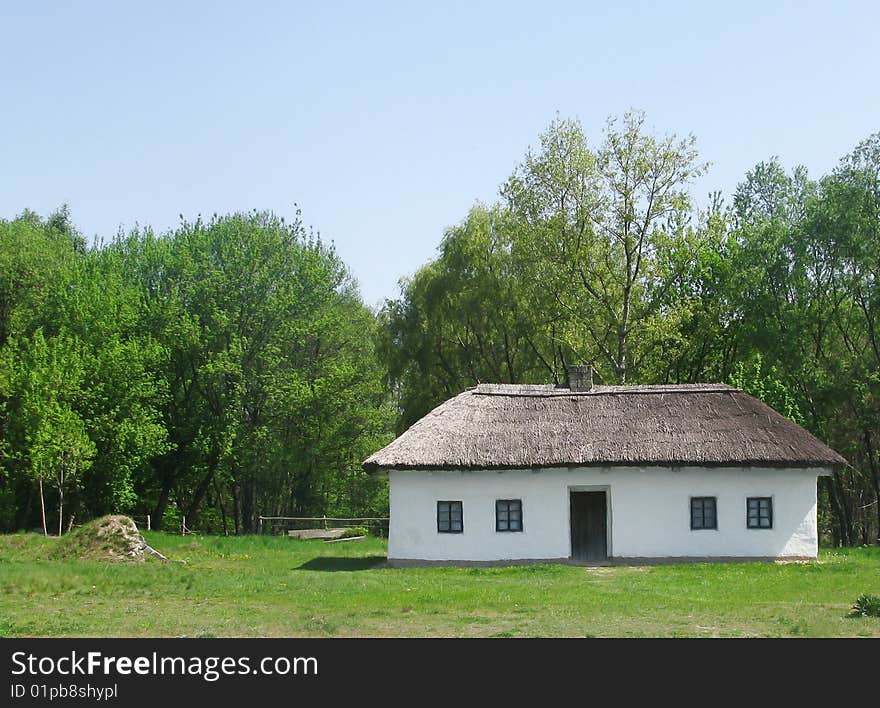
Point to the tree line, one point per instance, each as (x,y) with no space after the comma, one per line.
(228,368)
(598,253)
(220,371)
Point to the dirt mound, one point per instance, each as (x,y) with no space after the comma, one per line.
(114,538)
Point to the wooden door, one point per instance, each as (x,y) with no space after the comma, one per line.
(589,512)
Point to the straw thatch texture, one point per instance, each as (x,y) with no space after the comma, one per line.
(505,426)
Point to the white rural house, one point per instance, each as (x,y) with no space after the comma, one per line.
(602,473)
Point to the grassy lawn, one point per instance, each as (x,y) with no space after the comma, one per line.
(273,586)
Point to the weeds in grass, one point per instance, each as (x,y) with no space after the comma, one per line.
(866,606)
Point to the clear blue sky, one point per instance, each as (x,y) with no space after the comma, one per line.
(386,121)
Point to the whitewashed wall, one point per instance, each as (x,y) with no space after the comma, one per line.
(649,510)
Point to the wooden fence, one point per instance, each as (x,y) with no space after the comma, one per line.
(142,521)
(378,525)
(278,525)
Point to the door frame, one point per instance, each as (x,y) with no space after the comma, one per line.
(592,488)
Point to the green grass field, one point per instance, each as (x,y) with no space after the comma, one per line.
(273,587)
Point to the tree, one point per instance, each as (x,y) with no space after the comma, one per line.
(61,447)
(601,231)
(589,256)
(273,385)
(464,318)
(224,369)
(47,384)
(847,220)
(32,255)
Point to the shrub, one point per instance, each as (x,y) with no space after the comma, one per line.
(866,606)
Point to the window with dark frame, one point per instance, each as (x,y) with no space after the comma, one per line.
(508,515)
(704,513)
(759,512)
(449,517)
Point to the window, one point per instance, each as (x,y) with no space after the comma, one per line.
(449,517)
(759,513)
(508,515)
(703,513)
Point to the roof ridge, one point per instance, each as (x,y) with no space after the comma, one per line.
(548,390)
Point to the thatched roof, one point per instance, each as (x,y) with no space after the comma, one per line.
(506,426)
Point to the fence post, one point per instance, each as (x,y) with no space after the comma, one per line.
(325,521)
(183,526)
(261,526)
(148,522)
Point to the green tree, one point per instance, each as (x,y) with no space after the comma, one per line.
(589,256)
(264,329)
(464,318)
(602,231)
(47,385)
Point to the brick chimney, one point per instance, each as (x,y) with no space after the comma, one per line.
(580,378)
